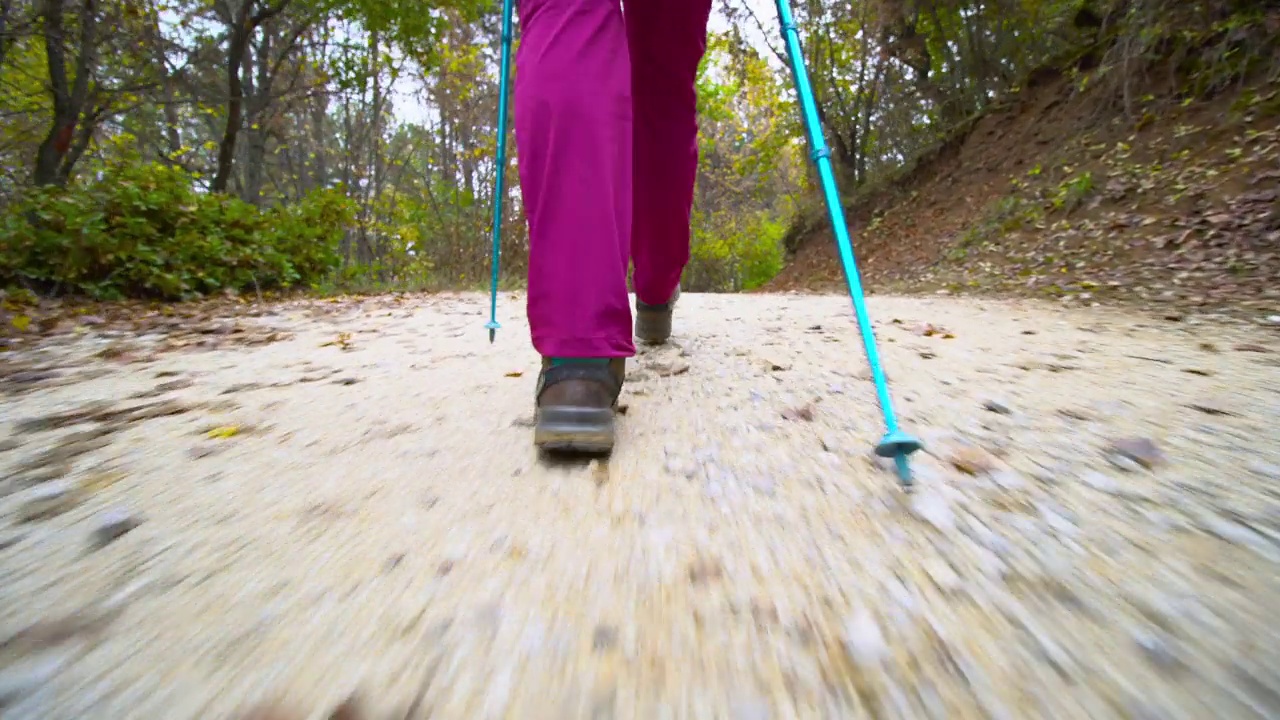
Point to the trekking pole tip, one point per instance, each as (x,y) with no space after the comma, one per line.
(493,326)
(903,468)
(899,446)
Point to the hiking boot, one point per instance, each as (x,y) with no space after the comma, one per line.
(576,403)
(653,322)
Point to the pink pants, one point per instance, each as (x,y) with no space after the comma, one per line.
(607,146)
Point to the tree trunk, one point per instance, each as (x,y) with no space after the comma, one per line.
(168,94)
(320,173)
(68,99)
(88,125)
(348,237)
(257,73)
(6,18)
(375,149)
(240,30)
(242,27)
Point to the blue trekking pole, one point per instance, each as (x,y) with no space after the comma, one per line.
(895,444)
(504,80)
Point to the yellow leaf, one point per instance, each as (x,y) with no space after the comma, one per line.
(21,322)
(343,342)
(514,373)
(221,433)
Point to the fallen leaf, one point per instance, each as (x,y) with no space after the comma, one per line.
(342,342)
(670,369)
(973,461)
(929,330)
(202,451)
(74,445)
(777,364)
(21,322)
(45,634)
(804,412)
(1211,407)
(163,408)
(514,374)
(703,570)
(117,351)
(223,432)
(100,480)
(1162,361)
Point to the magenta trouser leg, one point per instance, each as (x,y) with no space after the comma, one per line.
(667,41)
(606,137)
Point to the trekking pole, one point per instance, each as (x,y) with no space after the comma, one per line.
(504,79)
(895,444)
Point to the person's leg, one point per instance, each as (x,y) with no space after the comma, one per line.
(666,39)
(573,135)
(573,123)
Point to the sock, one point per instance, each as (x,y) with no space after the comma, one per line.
(557,362)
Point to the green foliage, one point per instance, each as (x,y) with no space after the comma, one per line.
(143,230)
(750,162)
(1072,191)
(413,26)
(734,253)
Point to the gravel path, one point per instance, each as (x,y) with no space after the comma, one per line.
(339,498)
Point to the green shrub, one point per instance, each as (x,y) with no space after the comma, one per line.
(732,252)
(144,230)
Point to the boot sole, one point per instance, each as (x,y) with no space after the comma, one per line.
(574,429)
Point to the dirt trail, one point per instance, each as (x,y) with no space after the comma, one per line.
(356,507)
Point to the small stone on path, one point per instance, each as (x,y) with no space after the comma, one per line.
(50,499)
(112,525)
(1140,450)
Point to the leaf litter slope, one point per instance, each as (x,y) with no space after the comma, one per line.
(1053,194)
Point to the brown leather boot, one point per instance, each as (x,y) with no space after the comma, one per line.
(576,405)
(653,322)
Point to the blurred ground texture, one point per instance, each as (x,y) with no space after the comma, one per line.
(270,508)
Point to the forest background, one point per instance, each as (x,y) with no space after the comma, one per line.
(171,149)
